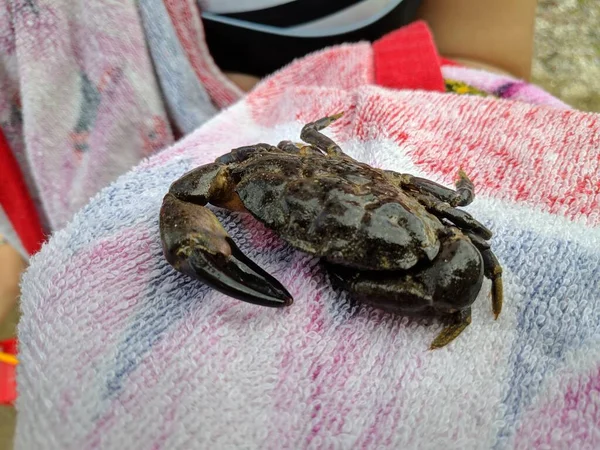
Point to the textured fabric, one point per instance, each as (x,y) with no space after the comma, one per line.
(408,58)
(189,103)
(80,101)
(120,351)
(293,15)
(106,101)
(502,86)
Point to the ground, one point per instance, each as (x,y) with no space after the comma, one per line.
(566,64)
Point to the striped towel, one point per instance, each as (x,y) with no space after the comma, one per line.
(121,351)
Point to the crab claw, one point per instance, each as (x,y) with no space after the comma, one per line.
(195,243)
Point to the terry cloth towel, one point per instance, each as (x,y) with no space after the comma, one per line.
(118,350)
(88,90)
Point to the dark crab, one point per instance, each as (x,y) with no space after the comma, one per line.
(392,240)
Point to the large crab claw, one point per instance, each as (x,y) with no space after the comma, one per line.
(196,244)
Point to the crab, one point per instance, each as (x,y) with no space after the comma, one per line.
(392,240)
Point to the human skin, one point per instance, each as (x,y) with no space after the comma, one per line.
(12,266)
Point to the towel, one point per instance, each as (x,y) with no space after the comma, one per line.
(118,350)
(87,91)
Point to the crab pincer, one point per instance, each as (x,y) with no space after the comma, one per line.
(196,244)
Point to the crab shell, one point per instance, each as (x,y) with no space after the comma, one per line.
(343,211)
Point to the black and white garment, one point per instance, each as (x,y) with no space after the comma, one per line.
(258,37)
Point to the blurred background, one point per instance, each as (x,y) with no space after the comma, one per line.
(567,51)
(566,63)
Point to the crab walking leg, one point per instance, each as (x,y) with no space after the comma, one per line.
(460,218)
(462,196)
(311,133)
(298,149)
(289,147)
(478,234)
(196,244)
(492,270)
(462,320)
(242,153)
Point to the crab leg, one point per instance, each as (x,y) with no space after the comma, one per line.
(242,153)
(462,319)
(477,233)
(311,133)
(196,244)
(298,149)
(492,270)
(462,196)
(460,218)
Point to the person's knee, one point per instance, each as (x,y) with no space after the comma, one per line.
(12,266)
